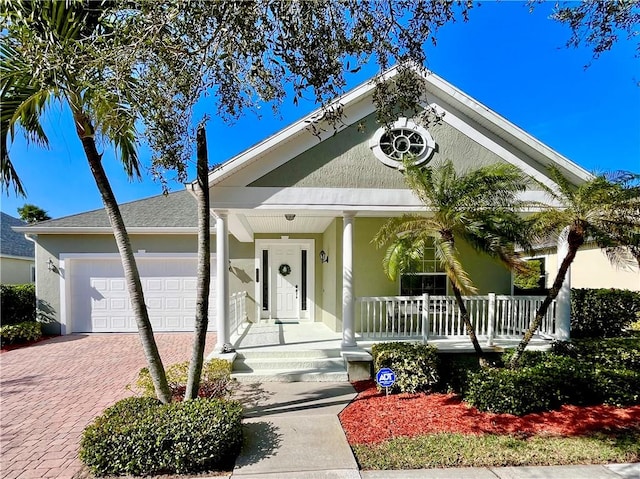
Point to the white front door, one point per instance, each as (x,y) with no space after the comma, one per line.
(286,271)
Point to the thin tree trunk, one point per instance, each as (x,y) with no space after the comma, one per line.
(467,324)
(204,267)
(575,241)
(131,273)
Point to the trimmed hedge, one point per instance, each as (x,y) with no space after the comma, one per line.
(17,303)
(215,382)
(603,313)
(582,373)
(21,332)
(415,365)
(141,436)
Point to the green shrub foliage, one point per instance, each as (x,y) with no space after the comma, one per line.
(17,303)
(415,365)
(597,313)
(215,382)
(141,436)
(583,372)
(21,332)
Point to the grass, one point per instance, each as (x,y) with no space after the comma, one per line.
(462,450)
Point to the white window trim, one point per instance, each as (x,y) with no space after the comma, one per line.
(404,123)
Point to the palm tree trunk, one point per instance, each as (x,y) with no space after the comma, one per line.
(204,267)
(575,240)
(467,323)
(131,274)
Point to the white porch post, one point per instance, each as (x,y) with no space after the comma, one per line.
(222,280)
(348,299)
(563,301)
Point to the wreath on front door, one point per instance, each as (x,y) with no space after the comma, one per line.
(284,269)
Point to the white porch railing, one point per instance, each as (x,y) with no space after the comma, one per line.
(237,311)
(493,316)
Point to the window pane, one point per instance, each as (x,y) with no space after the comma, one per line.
(304,280)
(417,284)
(265,280)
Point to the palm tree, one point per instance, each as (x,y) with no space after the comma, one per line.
(479,207)
(52,51)
(604,210)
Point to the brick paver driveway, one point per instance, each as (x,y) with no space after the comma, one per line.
(51,390)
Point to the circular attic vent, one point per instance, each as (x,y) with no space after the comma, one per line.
(405,137)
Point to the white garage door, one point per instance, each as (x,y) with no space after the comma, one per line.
(100,301)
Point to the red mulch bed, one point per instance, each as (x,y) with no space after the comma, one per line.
(10,347)
(373,417)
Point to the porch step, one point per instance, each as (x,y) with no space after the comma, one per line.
(290,366)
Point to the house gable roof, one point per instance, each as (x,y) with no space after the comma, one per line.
(172,213)
(461,111)
(13,243)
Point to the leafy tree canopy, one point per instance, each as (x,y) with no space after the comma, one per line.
(32,213)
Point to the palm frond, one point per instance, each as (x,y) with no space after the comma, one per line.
(447,255)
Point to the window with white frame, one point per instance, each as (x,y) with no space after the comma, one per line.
(427,276)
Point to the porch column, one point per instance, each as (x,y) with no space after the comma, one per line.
(222,280)
(563,301)
(348,299)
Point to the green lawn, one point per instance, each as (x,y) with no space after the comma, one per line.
(458,450)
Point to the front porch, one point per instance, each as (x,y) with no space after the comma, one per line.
(269,350)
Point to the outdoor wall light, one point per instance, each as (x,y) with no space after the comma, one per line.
(50,265)
(289,216)
(324,257)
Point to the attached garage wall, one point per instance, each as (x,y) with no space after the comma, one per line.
(52,246)
(98,300)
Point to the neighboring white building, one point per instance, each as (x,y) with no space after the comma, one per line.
(591,269)
(17,262)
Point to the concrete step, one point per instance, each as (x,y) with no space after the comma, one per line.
(284,365)
(287,362)
(289,376)
(288,353)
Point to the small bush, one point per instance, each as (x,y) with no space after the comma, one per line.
(141,436)
(612,353)
(510,391)
(21,332)
(215,382)
(415,365)
(617,387)
(583,372)
(454,370)
(603,313)
(17,303)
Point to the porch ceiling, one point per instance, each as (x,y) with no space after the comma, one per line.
(245,224)
(277,223)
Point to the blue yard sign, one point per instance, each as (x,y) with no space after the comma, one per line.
(385,377)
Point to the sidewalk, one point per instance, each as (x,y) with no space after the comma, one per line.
(292,431)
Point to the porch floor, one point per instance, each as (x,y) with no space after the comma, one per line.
(297,336)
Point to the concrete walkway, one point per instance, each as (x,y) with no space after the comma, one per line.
(50,391)
(292,432)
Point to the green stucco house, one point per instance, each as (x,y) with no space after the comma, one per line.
(294,218)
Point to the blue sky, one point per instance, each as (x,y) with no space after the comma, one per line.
(511,60)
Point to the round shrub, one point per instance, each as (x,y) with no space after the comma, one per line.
(141,436)
(511,391)
(415,365)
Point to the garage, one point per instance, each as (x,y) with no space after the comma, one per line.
(99,301)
